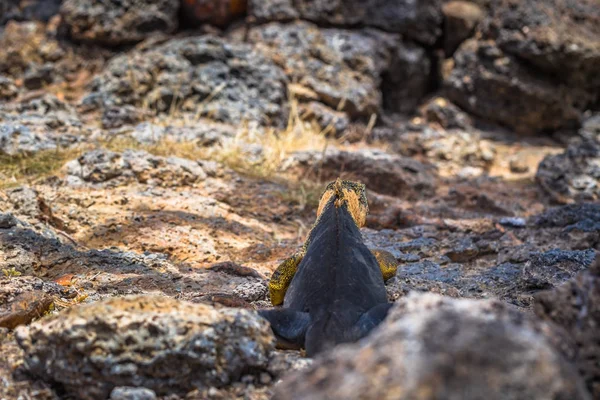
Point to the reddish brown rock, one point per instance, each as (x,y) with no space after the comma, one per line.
(23,308)
(214,12)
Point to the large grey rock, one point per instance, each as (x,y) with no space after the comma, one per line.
(452,265)
(554,267)
(439,110)
(498,87)
(32,250)
(117,116)
(344,69)
(534,68)
(132,393)
(590,128)
(575,306)
(117,23)
(206,75)
(7,221)
(272,10)
(559,37)
(146,341)
(100,166)
(418,20)
(434,347)
(573,175)
(38,250)
(26,202)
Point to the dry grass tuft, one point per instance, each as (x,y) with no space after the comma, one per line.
(256,152)
(261,153)
(305,194)
(25,168)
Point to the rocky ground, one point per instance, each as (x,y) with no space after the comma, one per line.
(158,160)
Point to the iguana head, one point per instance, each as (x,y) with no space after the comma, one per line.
(349,194)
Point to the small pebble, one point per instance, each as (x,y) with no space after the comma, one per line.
(516,222)
(132,393)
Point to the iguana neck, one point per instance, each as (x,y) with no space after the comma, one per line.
(340,196)
(325,217)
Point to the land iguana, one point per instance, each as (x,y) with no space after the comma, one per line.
(332,289)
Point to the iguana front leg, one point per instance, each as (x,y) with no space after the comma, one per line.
(282,277)
(387,263)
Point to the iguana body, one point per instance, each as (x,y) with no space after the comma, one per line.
(333,289)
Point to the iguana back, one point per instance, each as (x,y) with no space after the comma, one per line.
(337,293)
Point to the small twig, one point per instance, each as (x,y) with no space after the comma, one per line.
(68,237)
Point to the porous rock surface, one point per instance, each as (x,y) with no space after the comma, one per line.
(532,68)
(584,217)
(34,56)
(344,69)
(421,21)
(575,307)
(496,86)
(117,23)
(432,347)
(152,342)
(8,90)
(559,37)
(27,298)
(43,123)
(573,175)
(207,75)
(101,166)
